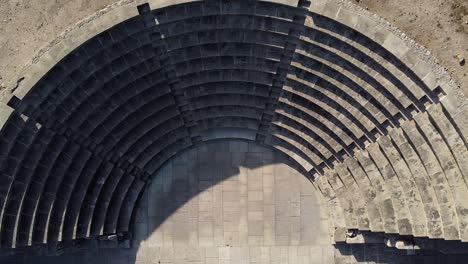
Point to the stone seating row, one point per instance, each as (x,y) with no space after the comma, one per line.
(358,45)
(48,194)
(191,76)
(76,152)
(410,181)
(114,57)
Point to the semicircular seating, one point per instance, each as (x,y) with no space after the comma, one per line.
(360,115)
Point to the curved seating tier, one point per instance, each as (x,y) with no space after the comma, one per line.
(371,131)
(410,180)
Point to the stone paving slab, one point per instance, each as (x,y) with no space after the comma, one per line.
(254,210)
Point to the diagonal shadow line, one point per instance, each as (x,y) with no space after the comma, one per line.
(172,200)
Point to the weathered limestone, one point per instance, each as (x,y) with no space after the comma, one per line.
(321,98)
(454,140)
(367,27)
(324,134)
(408,184)
(448,167)
(389,214)
(438,180)
(355,195)
(360,113)
(373,206)
(393,186)
(321,149)
(424,184)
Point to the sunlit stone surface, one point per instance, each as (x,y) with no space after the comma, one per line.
(232,202)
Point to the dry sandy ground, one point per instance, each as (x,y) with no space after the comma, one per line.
(439,25)
(28,25)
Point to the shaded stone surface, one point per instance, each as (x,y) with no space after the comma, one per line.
(232,201)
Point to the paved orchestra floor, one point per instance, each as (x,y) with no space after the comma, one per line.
(229,202)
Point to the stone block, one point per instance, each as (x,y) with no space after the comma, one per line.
(339,234)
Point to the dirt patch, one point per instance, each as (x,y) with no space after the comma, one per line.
(440,25)
(26,26)
(460,12)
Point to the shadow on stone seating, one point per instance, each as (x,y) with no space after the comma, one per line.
(380,253)
(180,189)
(179,192)
(353,35)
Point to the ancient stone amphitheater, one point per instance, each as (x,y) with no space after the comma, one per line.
(282,131)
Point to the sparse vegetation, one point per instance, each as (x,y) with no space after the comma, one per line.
(460,14)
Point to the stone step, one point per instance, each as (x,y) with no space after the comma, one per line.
(354,193)
(307,134)
(142,141)
(288,150)
(85,55)
(331,122)
(34,190)
(110,223)
(227,133)
(335,209)
(13,183)
(77,198)
(408,184)
(11,129)
(231,87)
(49,191)
(342,109)
(373,204)
(102,204)
(438,179)
(453,138)
(145,130)
(357,58)
(252,112)
(374,112)
(324,133)
(262,30)
(447,166)
(330,33)
(227,60)
(383,196)
(344,197)
(167,153)
(298,142)
(104,106)
(158,145)
(24,175)
(229,122)
(83,227)
(87,87)
(394,188)
(228,100)
(424,184)
(129,206)
(206,77)
(358,71)
(64,193)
